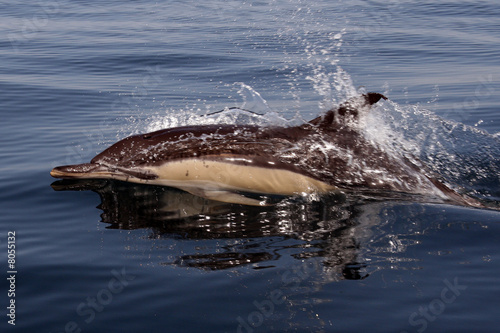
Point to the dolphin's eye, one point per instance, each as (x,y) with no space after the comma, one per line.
(147,136)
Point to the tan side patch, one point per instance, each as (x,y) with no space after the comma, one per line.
(235,177)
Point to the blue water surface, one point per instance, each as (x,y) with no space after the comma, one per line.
(76,76)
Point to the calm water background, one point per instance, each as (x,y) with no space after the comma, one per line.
(77,75)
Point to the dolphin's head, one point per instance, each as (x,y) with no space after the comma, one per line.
(122,161)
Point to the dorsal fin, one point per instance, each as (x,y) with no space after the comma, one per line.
(349,108)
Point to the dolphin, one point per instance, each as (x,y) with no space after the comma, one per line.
(243,163)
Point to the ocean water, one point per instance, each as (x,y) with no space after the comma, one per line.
(76,76)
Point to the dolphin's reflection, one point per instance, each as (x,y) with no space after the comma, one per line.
(330,228)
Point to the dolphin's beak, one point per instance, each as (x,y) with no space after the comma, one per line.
(99,171)
(85,170)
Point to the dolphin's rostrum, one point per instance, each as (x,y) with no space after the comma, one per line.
(236,163)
